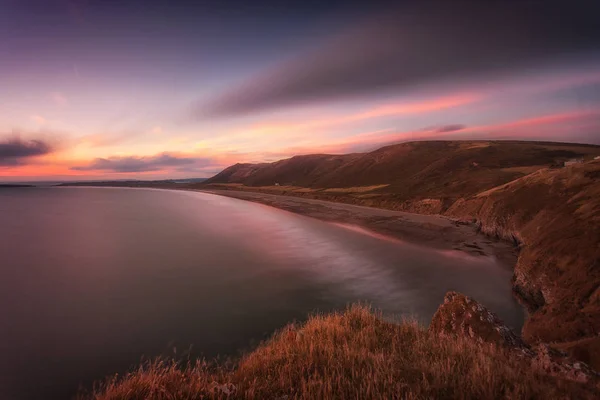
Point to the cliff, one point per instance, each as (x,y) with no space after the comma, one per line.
(554,215)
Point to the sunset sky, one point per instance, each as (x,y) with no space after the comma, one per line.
(104,89)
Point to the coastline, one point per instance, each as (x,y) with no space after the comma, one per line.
(435,231)
(439,232)
(549,243)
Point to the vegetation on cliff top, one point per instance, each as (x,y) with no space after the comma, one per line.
(355,354)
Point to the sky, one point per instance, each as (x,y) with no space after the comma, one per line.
(132,89)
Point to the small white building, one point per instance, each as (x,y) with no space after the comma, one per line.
(574,161)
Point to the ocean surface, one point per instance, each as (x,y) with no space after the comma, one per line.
(94,279)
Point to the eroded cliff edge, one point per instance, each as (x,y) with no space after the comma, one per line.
(554,216)
(462,316)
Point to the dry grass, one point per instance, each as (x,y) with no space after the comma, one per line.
(356,189)
(475,145)
(300,189)
(525,170)
(351,355)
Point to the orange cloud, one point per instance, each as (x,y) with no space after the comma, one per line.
(414,108)
(546,127)
(386,110)
(268,136)
(540,127)
(550,119)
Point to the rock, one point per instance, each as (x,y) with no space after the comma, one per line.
(557,363)
(460,315)
(227,389)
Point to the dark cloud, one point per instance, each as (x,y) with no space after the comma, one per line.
(449,128)
(412,45)
(143,164)
(14,151)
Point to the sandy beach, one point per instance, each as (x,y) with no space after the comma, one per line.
(434,231)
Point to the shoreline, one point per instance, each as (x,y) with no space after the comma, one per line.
(550,244)
(438,232)
(434,231)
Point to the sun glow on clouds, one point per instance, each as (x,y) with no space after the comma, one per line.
(141,93)
(316,128)
(164,149)
(379,111)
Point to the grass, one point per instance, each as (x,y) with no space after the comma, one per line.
(299,189)
(356,189)
(350,355)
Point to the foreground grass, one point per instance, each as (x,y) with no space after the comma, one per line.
(350,355)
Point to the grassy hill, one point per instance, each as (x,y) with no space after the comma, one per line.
(555,215)
(407,172)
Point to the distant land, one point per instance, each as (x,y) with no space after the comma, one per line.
(416,176)
(13,185)
(136,183)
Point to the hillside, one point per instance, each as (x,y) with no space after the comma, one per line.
(407,172)
(518,191)
(555,215)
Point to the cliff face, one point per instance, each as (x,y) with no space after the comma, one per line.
(555,217)
(459,315)
(462,316)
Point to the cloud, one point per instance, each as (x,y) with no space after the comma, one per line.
(13,151)
(144,164)
(448,128)
(414,45)
(317,125)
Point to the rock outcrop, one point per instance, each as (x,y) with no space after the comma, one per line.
(462,316)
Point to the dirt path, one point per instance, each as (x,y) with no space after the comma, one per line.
(427,230)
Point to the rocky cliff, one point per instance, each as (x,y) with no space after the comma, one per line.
(554,216)
(462,316)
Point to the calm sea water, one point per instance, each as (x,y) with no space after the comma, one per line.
(93,279)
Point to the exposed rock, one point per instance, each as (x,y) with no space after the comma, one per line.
(460,315)
(227,389)
(557,363)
